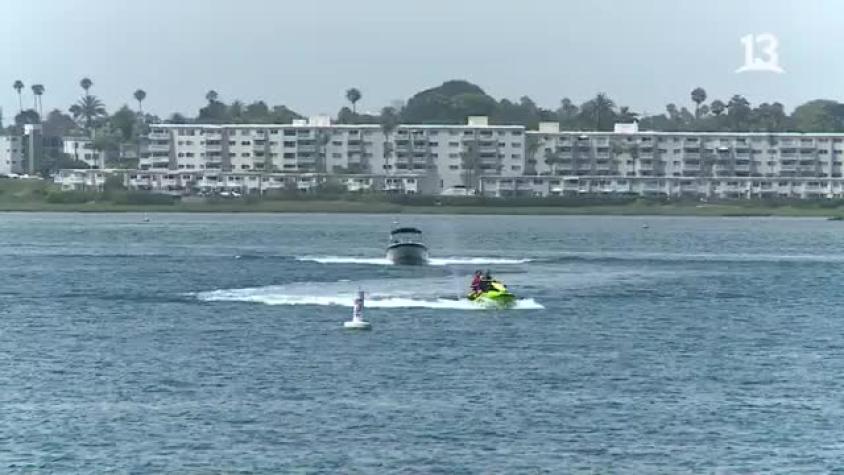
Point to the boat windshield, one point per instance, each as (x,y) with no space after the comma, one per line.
(405,235)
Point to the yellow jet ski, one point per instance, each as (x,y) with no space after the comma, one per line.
(496,296)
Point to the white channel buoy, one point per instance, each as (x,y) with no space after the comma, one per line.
(357,322)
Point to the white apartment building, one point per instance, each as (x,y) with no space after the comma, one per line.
(82,149)
(298,147)
(446,155)
(12,155)
(686,154)
(646,163)
(458,155)
(502,160)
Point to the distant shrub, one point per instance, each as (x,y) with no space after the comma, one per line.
(142,198)
(71,197)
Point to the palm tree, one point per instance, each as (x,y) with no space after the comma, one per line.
(86,84)
(470,161)
(698,96)
(599,108)
(75,111)
(353,95)
(627,115)
(551,159)
(89,108)
(532,145)
(18,85)
(38,91)
(717,107)
(389,120)
(321,141)
(212,96)
(140,95)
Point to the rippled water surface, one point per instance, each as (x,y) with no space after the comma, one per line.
(215,343)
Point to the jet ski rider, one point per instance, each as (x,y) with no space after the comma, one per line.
(476,282)
(486,281)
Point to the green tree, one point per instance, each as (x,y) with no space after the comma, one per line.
(58,124)
(28,116)
(600,112)
(283,115)
(177,118)
(18,85)
(353,95)
(88,109)
(388,121)
(552,159)
(738,113)
(139,96)
(448,103)
(626,115)
(257,113)
(769,117)
(37,92)
(567,113)
(107,142)
(125,122)
(698,97)
(215,111)
(532,144)
(717,107)
(470,161)
(323,137)
(235,112)
(820,115)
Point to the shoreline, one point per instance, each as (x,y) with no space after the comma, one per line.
(347,207)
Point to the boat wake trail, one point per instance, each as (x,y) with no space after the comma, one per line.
(276,296)
(436,261)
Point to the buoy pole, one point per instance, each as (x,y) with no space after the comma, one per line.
(357,310)
(357,322)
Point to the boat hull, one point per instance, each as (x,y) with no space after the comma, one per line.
(408,254)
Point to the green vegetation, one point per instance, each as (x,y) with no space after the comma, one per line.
(39,195)
(450,103)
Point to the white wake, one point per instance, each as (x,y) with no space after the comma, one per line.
(273,296)
(435,261)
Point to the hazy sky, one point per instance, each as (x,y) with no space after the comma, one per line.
(307,53)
